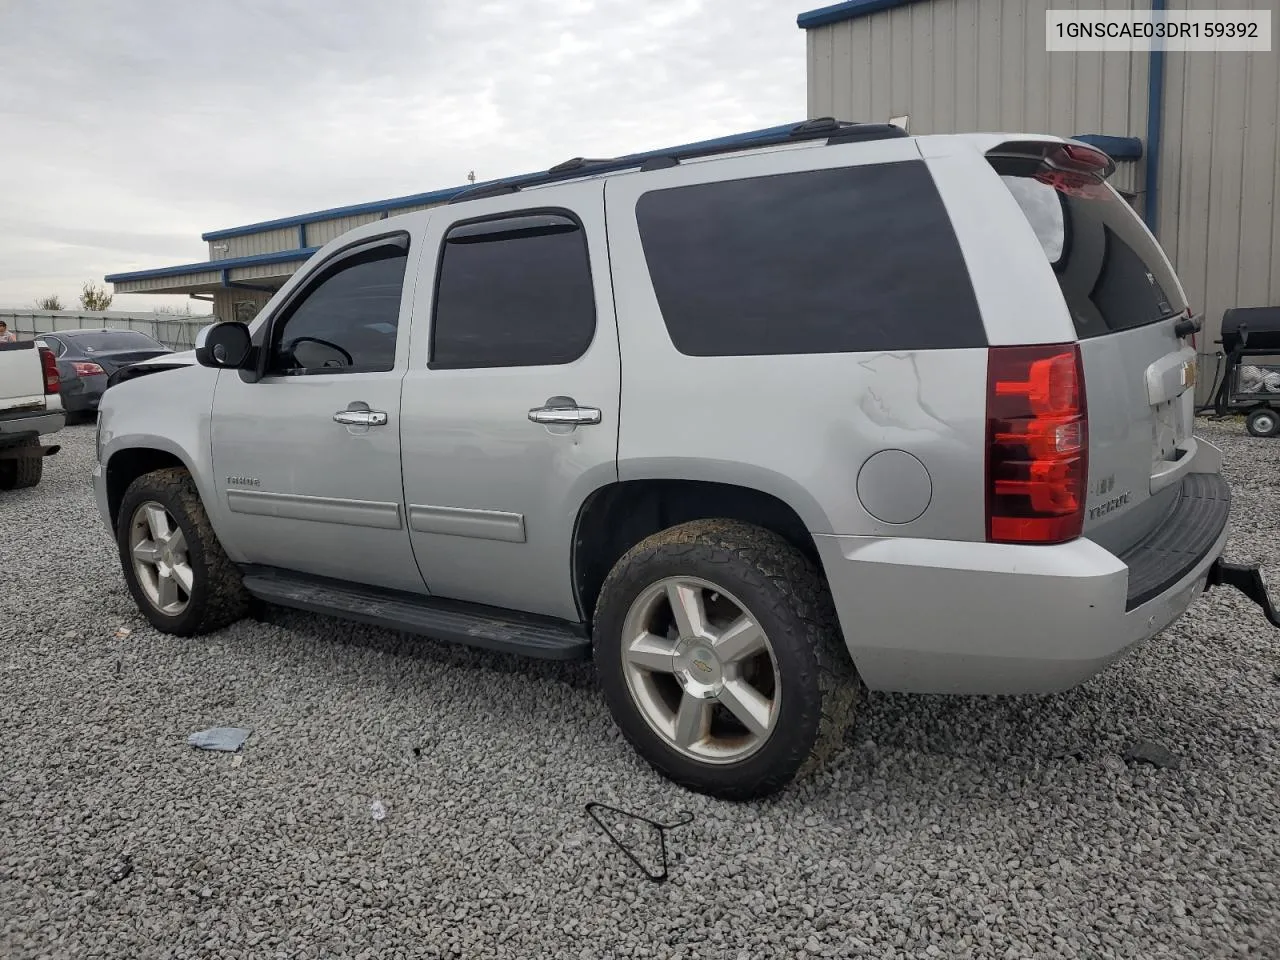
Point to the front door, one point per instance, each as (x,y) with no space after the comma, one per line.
(511,402)
(308,458)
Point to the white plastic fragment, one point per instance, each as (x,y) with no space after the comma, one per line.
(228,739)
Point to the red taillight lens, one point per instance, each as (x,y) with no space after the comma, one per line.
(1037,444)
(86,369)
(52,381)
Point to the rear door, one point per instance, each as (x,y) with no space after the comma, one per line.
(1125,303)
(510,404)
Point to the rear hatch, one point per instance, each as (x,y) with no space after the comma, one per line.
(1128,309)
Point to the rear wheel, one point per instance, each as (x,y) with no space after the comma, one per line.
(720,659)
(23,471)
(1263,423)
(174,565)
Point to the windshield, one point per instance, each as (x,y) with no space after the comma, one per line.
(1112,273)
(114,341)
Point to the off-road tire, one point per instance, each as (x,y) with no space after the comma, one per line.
(24,471)
(786,593)
(218,597)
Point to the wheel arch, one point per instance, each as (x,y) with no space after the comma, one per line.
(125,464)
(617,516)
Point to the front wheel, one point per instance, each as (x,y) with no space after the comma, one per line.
(174,565)
(720,659)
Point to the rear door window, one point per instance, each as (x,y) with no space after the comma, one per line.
(845,260)
(513,291)
(1112,274)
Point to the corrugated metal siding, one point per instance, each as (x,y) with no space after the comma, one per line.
(176,284)
(224,301)
(1219,200)
(269,241)
(326,230)
(267,270)
(965,65)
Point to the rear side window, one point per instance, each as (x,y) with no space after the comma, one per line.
(825,261)
(1111,272)
(513,292)
(114,340)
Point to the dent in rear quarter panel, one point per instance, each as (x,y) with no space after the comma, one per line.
(799,427)
(168,411)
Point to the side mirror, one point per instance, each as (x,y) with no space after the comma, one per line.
(223,346)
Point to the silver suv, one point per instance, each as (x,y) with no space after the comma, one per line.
(752,426)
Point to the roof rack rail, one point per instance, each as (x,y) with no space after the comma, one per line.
(828,128)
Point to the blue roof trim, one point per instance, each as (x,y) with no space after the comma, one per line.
(1117,148)
(848,10)
(448,193)
(230,263)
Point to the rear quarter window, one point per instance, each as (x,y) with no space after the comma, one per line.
(854,259)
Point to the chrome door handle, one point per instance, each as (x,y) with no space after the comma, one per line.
(572,416)
(361,418)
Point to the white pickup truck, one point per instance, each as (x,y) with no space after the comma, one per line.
(29,409)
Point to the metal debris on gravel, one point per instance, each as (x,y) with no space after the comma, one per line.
(224,739)
(951,827)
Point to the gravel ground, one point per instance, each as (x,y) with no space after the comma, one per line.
(951,827)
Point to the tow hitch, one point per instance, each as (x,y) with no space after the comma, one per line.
(1248,580)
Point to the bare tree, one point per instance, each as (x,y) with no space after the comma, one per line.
(49,303)
(94,297)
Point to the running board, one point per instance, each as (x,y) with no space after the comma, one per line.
(488,628)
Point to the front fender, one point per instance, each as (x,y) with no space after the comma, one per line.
(171,414)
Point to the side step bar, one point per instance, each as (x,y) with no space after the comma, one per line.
(488,628)
(1248,580)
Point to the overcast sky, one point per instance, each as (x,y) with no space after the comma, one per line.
(128,127)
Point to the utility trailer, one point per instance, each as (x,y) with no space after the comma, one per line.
(1250,332)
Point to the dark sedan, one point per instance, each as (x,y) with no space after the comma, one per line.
(86,358)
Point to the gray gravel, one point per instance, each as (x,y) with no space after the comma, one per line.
(952,827)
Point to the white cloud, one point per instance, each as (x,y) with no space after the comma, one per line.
(131,126)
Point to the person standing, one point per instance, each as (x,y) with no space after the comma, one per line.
(6,335)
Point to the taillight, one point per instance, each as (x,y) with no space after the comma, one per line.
(86,369)
(52,381)
(1037,444)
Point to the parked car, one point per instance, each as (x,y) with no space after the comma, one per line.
(733,425)
(86,358)
(167,361)
(29,409)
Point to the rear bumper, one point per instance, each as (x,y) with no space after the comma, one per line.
(19,423)
(938,616)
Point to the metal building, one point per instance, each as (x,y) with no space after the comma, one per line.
(248,264)
(1200,153)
